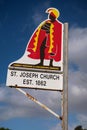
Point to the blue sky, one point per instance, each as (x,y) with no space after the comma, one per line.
(18,19)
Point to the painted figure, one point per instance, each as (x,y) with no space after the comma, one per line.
(46,41)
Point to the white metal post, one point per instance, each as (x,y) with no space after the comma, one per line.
(65,79)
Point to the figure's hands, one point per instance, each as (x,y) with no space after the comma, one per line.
(46,27)
(52,54)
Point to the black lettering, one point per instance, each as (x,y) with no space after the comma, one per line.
(40,83)
(27,81)
(49,76)
(13,73)
(28,75)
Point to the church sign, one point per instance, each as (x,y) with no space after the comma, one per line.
(41,66)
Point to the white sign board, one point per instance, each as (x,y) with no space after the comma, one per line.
(34,79)
(41,66)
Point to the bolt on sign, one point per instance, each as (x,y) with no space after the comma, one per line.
(41,66)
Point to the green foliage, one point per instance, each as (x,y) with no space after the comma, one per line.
(79,128)
(2,128)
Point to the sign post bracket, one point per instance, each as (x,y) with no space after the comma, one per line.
(39,103)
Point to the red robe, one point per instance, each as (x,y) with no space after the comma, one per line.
(53,43)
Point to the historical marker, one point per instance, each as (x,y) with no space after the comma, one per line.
(41,66)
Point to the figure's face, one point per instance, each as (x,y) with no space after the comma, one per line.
(52,18)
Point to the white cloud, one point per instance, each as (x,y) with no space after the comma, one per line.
(83,120)
(78,74)
(78,77)
(78,47)
(15,104)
